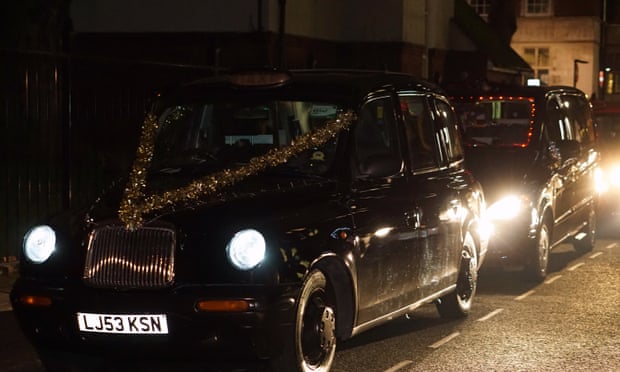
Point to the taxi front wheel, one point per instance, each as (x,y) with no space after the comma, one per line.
(536,270)
(457,304)
(314,341)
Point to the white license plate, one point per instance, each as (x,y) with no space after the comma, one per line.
(123,323)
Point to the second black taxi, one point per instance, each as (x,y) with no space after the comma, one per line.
(267,215)
(534,150)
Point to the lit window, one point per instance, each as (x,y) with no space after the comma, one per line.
(537,7)
(529,55)
(539,59)
(543,57)
(543,75)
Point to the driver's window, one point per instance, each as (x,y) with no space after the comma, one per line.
(557,123)
(376,141)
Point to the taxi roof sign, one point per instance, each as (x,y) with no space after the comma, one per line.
(324,111)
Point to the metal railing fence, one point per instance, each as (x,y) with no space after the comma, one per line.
(68,126)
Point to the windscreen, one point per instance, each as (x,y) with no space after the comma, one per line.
(213,136)
(496,122)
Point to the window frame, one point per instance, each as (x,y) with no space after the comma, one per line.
(481,7)
(555,120)
(448,134)
(411,161)
(580,118)
(535,64)
(395,143)
(525,6)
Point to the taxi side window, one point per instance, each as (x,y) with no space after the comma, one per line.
(580,119)
(419,132)
(449,131)
(556,121)
(376,139)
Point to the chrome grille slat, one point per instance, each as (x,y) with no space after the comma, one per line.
(118,258)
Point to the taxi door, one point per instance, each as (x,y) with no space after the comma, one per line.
(444,198)
(382,203)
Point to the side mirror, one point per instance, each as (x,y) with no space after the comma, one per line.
(381,165)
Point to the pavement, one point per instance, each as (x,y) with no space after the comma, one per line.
(8,274)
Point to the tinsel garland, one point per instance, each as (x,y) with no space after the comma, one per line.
(136,203)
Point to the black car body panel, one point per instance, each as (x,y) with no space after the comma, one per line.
(538,145)
(360,234)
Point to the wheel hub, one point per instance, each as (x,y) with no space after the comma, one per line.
(327,328)
(319,333)
(468,283)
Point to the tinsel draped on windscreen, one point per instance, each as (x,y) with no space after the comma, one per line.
(136,203)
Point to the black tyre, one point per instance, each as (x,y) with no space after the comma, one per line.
(586,244)
(314,340)
(536,269)
(457,304)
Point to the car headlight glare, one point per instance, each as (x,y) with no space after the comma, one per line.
(614,176)
(607,178)
(505,209)
(39,243)
(600,182)
(246,249)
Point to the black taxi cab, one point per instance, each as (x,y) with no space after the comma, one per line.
(267,215)
(534,150)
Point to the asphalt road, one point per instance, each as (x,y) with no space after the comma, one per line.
(571,322)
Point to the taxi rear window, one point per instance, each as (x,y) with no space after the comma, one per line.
(496,122)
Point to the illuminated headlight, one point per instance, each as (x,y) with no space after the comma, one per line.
(485,229)
(600,183)
(39,243)
(246,249)
(614,176)
(505,209)
(606,178)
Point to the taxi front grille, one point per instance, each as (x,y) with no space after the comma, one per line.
(119,258)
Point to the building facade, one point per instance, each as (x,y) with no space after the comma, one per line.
(413,36)
(609,76)
(560,39)
(78,75)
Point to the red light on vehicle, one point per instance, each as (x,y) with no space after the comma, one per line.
(223,305)
(38,301)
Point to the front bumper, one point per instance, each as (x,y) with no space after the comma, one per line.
(609,203)
(511,243)
(258,333)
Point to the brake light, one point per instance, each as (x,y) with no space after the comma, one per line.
(224,305)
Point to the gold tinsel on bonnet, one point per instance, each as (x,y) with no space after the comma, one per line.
(136,204)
